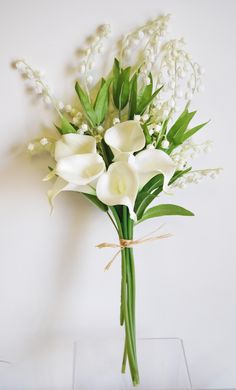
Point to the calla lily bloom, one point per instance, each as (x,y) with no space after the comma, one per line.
(80,169)
(150,162)
(125,137)
(62,185)
(70,144)
(119,186)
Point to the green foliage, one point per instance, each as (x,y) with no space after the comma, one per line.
(145,98)
(66,127)
(179,132)
(125,91)
(152,189)
(121,85)
(97,202)
(165,209)
(95,113)
(133,96)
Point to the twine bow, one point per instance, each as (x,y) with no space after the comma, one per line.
(125,243)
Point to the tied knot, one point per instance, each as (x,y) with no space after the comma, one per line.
(128,243)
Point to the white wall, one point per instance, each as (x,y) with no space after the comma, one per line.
(52,285)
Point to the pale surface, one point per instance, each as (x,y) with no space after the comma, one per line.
(52,285)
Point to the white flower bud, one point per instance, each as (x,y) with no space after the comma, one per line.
(44,141)
(68,108)
(75,120)
(165,144)
(100,129)
(84,126)
(30,147)
(145,117)
(116,120)
(137,117)
(150,146)
(60,105)
(89,79)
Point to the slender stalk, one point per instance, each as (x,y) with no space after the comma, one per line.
(130,299)
(127,311)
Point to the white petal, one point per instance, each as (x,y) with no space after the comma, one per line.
(80,169)
(125,137)
(150,162)
(70,144)
(118,186)
(62,185)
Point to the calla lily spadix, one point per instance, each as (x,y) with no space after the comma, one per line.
(150,162)
(80,169)
(70,144)
(119,186)
(125,137)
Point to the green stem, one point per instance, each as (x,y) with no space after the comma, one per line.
(130,299)
(127,312)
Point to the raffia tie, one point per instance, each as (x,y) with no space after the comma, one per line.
(125,243)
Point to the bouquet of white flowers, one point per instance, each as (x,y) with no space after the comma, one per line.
(123,145)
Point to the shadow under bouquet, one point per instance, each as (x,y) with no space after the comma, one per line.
(124,143)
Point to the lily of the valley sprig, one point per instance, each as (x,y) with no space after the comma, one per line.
(127,141)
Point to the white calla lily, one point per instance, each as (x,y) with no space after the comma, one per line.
(62,185)
(125,137)
(119,186)
(150,162)
(80,169)
(70,144)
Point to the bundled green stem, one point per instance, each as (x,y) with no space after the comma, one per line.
(127,309)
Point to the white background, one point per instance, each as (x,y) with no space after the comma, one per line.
(52,285)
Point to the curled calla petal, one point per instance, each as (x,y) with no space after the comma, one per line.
(80,169)
(70,144)
(62,185)
(150,162)
(125,137)
(118,186)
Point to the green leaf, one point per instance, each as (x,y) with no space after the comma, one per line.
(180,132)
(180,126)
(178,123)
(133,96)
(146,98)
(191,132)
(144,201)
(152,189)
(66,127)
(124,87)
(153,183)
(165,209)
(116,74)
(96,201)
(87,106)
(102,101)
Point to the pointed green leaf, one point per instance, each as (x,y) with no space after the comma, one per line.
(178,123)
(165,209)
(66,127)
(191,132)
(146,99)
(124,87)
(102,101)
(133,96)
(86,105)
(180,132)
(116,75)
